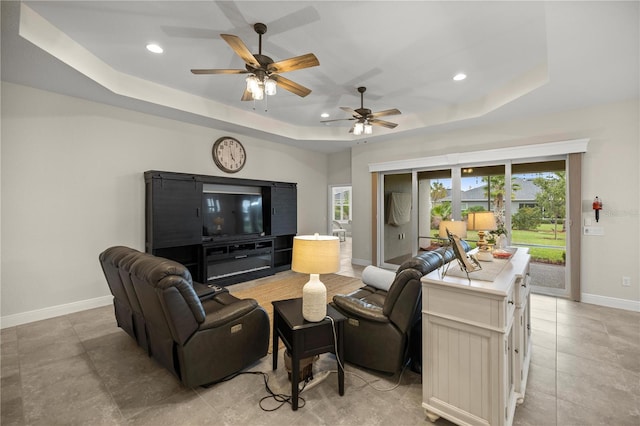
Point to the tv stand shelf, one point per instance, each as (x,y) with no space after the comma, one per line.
(226,262)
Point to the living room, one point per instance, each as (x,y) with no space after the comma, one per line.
(72,185)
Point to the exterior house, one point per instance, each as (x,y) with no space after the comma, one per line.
(524,196)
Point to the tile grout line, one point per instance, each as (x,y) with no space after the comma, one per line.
(24,419)
(94,369)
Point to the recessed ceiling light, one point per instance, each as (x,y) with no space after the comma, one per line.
(324,115)
(460,76)
(152,47)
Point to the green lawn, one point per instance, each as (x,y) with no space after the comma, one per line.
(547,255)
(543,236)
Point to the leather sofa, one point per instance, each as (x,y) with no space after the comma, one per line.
(383,329)
(199,333)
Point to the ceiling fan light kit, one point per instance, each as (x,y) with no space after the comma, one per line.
(361,127)
(365,119)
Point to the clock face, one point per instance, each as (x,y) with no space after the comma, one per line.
(229,154)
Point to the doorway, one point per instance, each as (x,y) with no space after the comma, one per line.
(339,223)
(340,211)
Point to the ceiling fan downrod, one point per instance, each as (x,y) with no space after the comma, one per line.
(261,29)
(362,89)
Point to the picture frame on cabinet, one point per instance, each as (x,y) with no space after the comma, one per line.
(468,263)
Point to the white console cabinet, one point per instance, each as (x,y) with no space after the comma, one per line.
(476,344)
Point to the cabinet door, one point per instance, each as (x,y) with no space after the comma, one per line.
(284,209)
(173,212)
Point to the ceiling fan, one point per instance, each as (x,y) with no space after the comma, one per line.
(365,118)
(264,71)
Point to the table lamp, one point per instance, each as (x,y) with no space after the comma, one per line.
(456,227)
(315,255)
(481,222)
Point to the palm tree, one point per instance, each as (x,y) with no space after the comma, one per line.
(440,212)
(438,192)
(496,188)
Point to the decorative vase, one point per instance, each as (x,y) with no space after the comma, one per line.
(314,299)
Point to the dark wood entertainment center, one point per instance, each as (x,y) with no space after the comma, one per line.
(176,229)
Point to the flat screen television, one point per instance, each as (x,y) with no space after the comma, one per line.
(232,214)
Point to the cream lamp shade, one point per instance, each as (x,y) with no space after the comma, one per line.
(456,227)
(315,255)
(481,222)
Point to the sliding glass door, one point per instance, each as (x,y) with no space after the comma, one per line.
(528,201)
(484,189)
(435,201)
(539,222)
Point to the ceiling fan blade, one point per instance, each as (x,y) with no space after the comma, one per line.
(291,86)
(246,96)
(217,71)
(385,112)
(351,111)
(241,49)
(294,20)
(337,119)
(299,62)
(387,124)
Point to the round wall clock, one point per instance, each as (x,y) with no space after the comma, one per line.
(229,154)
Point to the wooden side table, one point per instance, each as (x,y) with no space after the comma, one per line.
(305,339)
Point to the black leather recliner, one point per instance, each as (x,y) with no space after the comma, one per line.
(383,328)
(201,340)
(109,260)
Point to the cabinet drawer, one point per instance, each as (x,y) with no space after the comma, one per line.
(470,308)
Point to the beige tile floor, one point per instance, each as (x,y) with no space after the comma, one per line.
(80,369)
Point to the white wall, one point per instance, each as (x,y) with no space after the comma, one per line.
(610,170)
(340,168)
(72,185)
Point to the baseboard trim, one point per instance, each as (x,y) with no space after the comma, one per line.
(610,302)
(54,311)
(360,262)
(69,308)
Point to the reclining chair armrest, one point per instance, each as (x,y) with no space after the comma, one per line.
(207,291)
(359,308)
(228,313)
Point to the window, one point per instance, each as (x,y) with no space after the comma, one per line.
(341,199)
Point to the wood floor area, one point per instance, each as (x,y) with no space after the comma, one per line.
(288,284)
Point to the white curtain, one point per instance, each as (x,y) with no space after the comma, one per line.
(399,208)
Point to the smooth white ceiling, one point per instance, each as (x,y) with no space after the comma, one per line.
(522,59)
